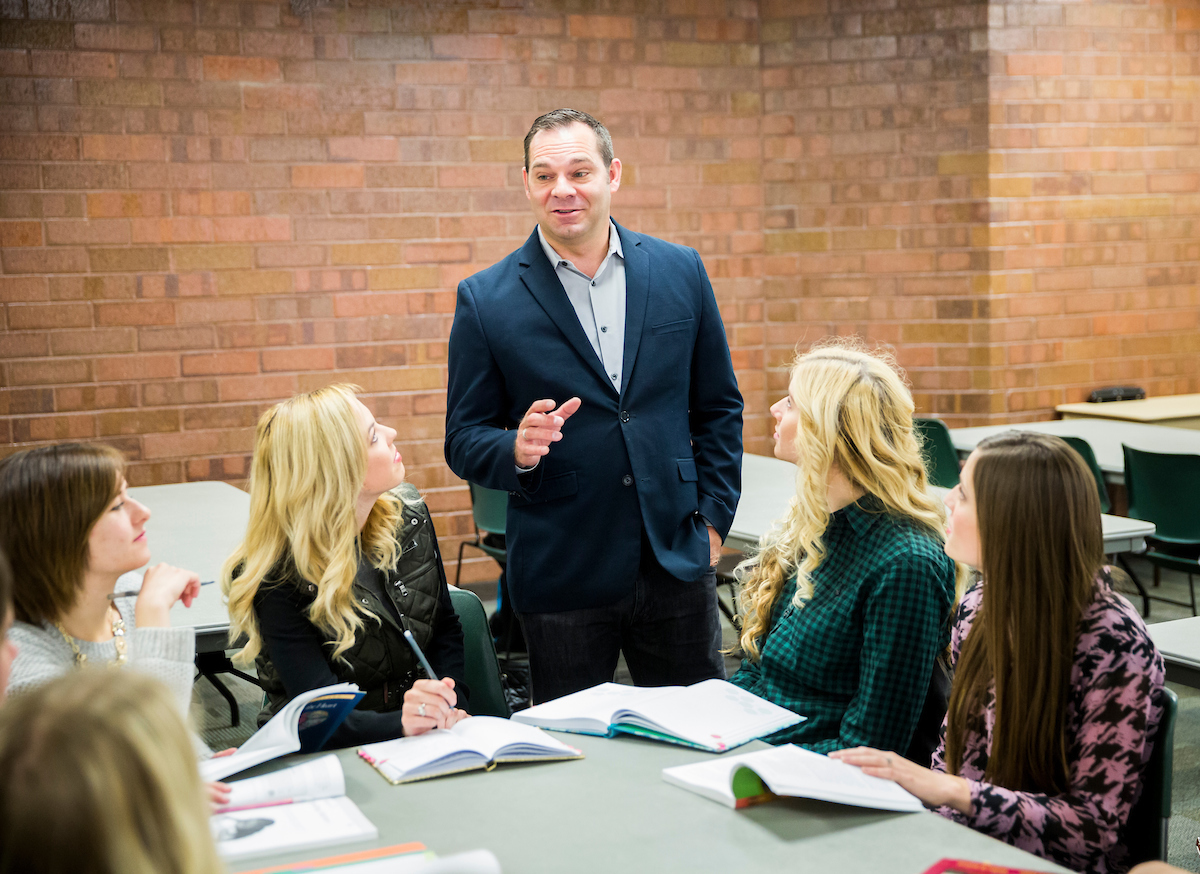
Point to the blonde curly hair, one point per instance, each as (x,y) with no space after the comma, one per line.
(855,416)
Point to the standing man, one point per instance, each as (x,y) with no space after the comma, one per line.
(590,378)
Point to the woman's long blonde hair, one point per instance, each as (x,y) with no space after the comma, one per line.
(855,415)
(98,773)
(310,462)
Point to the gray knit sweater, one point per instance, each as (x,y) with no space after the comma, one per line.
(163,653)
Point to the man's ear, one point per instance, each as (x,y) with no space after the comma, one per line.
(614,175)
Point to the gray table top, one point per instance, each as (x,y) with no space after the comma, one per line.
(1178,640)
(196,526)
(1104,435)
(768,484)
(612,811)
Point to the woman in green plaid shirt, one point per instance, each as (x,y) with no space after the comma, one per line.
(848,603)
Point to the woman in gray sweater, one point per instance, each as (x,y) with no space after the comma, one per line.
(71,530)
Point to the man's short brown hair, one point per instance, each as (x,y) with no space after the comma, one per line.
(50,498)
(565,118)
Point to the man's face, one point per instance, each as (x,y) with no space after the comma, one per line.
(569,186)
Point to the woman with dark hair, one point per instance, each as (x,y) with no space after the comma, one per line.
(71,530)
(8,649)
(1057,685)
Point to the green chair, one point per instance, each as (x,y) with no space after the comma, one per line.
(482,668)
(489,508)
(1145,832)
(1165,489)
(941,458)
(1085,449)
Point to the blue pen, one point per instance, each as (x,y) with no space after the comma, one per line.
(412,641)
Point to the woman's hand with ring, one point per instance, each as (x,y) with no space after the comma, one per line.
(430,704)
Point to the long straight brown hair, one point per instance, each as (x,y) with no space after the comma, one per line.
(1041,547)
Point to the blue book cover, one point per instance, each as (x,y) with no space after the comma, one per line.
(321,717)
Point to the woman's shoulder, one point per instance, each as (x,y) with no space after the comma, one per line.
(908,541)
(1111,625)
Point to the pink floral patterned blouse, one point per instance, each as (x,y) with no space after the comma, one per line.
(1112,713)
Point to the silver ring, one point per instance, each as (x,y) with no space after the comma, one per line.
(421,709)
(523,430)
(887,759)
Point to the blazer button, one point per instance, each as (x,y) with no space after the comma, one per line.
(627,480)
(624,415)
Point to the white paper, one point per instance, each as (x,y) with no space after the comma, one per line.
(318,778)
(797,772)
(714,713)
(473,741)
(295,827)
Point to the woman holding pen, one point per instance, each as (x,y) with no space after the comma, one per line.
(340,560)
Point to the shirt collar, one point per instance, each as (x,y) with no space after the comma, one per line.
(614,245)
(860,516)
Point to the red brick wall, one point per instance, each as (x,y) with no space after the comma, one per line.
(875,161)
(207,207)
(1095,199)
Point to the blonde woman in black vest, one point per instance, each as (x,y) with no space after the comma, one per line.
(340,558)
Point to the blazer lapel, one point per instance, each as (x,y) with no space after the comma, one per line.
(543,284)
(637,289)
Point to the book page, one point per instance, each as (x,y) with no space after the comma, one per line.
(406,757)
(319,778)
(498,738)
(793,770)
(597,704)
(290,827)
(714,713)
(281,735)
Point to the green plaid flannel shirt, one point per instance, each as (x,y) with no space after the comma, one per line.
(857,659)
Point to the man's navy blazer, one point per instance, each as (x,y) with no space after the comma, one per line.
(663,455)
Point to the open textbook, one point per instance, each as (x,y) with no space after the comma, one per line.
(472,744)
(305,724)
(739,781)
(297,808)
(713,715)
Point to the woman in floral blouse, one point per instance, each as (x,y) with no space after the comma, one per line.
(1057,685)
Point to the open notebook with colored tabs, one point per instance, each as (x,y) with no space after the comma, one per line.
(712,715)
(478,743)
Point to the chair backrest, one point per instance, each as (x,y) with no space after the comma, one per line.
(1145,832)
(482,666)
(1164,489)
(1085,449)
(490,509)
(941,458)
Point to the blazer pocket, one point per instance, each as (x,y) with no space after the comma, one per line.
(669,327)
(552,488)
(687,470)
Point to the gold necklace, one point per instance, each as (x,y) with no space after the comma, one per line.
(118,630)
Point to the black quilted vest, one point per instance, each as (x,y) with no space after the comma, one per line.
(380,661)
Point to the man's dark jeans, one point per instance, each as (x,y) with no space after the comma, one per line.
(669,630)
